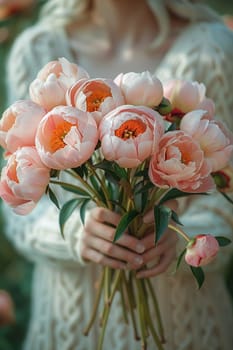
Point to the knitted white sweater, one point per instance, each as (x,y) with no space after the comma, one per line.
(63,287)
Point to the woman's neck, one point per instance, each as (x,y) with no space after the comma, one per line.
(124,19)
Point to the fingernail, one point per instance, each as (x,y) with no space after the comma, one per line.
(138,260)
(140,248)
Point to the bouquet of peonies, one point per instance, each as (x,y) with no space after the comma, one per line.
(128,144)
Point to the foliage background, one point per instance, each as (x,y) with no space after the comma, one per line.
(15,272)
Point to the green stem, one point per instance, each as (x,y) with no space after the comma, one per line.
(107,281)
(102,183)
(156,195)
(107,307)
(84,183)
(156,308)
(96,305)
(123,303)
(140,308)
(181,232)
(131,303)
(155,336)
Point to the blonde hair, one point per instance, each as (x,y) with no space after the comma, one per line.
(64,13)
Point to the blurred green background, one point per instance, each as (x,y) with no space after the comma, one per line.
(15,272)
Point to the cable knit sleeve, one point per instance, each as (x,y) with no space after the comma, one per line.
(37,235)
(204,53)
(35,47)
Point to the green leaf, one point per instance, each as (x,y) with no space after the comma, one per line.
(180,258)
(162,215)
(199,275)
(175,193)
(81,170)
(175,218)
(172,127)
(83,210)
(110,175)
(124,223)
(75,189)
(52,197)
(121,172)
(66,212)
(142,173)
(112,169)
(223,241)
(144,188)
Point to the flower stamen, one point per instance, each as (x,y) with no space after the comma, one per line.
(96,92)
(130,129)
(58,135)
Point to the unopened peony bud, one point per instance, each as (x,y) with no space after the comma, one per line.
(201,250)
(165,107)
(224,179)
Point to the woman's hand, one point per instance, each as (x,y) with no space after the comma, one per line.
(158,258)
(97,242)
(128,252)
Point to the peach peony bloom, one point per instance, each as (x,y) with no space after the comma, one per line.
(140,89)
(66,137)
(202,250)
(130,134)
(186,96)
(180,163)
(18,125)
(214,139)
(24,180)
(52,82)
(97,96)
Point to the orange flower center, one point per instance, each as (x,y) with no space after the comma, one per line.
(58,135)
(96,92)
(130,129)
(186,157)
(12,173)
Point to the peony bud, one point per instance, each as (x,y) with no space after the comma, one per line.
(224,179)
(201,250)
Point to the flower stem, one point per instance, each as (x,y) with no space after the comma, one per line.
(107,281)
(85,183)
(130,297)
(123,303)
(102,183)
(140,307)
(107,307)
(156,308)
(96,304)
(181,232)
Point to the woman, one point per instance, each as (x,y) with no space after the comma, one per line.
(175,39)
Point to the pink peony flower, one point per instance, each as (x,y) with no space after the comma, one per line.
(130,134)
(23,180)
(186,96)
(179,162)
(214,138)
(97,96)
(52,82)
(202,250)
(66,137)
(140,89)
(18,125)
